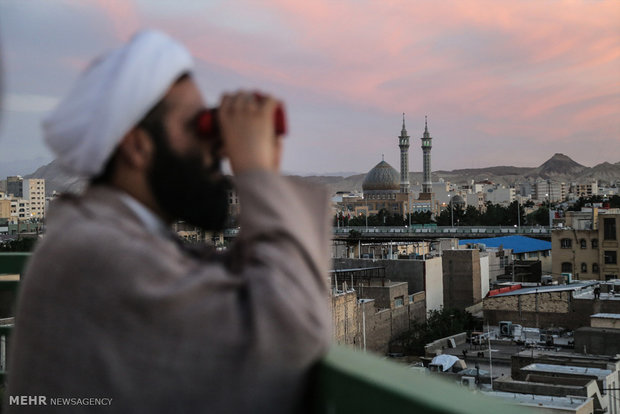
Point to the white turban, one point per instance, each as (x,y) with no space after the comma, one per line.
(110,98)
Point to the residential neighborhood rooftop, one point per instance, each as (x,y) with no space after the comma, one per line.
(518,244)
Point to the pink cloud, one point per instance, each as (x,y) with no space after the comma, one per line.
(521,68)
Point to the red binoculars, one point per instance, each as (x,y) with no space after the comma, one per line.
(208,126)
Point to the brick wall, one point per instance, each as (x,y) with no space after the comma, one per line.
(546,309)
(381,325)
(345,323)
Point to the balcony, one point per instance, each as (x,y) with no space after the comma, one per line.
(346,381)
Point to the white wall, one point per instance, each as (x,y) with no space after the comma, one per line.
(484,275)
(434,283)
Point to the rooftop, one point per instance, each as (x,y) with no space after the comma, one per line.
(562,403)
(606,315)
(601,374)
(518,244)
(546,289)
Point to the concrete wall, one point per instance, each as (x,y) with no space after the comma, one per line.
(421,275)
(384,296)
(345,321)
(461,278)
(355,321)
(434,348)
(410,271)
(433,281)
(540,388)
(597,340)
(610,323)
(484,274)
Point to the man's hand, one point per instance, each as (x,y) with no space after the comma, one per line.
(247,127)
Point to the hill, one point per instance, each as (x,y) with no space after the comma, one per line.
(558,168)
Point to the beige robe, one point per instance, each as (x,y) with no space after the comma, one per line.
(107,309)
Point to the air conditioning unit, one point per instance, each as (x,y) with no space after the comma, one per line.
(469,382)
(568,278)
(505,328)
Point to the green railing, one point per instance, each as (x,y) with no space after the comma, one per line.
(13,262)
(5,334)
(354,382)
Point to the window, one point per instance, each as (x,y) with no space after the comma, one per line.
(567,267)
(583,244)
(595,268)
(584,268)
(566,243)
(611,257)
(609,228)
(399,301)
(595,243)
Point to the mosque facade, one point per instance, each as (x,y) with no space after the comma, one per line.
(386,188)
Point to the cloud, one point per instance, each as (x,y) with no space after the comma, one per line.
(510,75)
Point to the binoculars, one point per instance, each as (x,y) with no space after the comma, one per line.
(207,124)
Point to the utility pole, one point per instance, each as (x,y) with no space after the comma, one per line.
(451,210)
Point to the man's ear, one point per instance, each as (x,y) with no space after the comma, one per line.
(136,149)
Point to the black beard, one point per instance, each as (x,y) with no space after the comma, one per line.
(185,189)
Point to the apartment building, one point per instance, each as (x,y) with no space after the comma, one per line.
(588,246)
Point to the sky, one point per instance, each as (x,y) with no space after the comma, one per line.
(502,82)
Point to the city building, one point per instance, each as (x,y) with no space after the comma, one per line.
(602,336)
(465,277)
(20,209)
(587,246)
(499,195)
(5,208)
(33,190)
(585,189)
(551,191)
(15,186)
(421,275)
(562,381)
(382,191)
(368,310)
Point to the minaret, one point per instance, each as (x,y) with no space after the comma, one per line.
(403,144)
(427,184)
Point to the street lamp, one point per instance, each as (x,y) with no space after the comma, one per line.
(451,210)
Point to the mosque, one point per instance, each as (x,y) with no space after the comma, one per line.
(386,188)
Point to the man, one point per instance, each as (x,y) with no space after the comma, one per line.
(111,306)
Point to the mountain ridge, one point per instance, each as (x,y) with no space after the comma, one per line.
(558,168)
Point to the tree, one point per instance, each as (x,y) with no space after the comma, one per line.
(24,244)
(439,324)
(471,216)
(444,218)
(420,217)
(540,217)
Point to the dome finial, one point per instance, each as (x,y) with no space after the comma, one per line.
(382,157)
(425,123)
